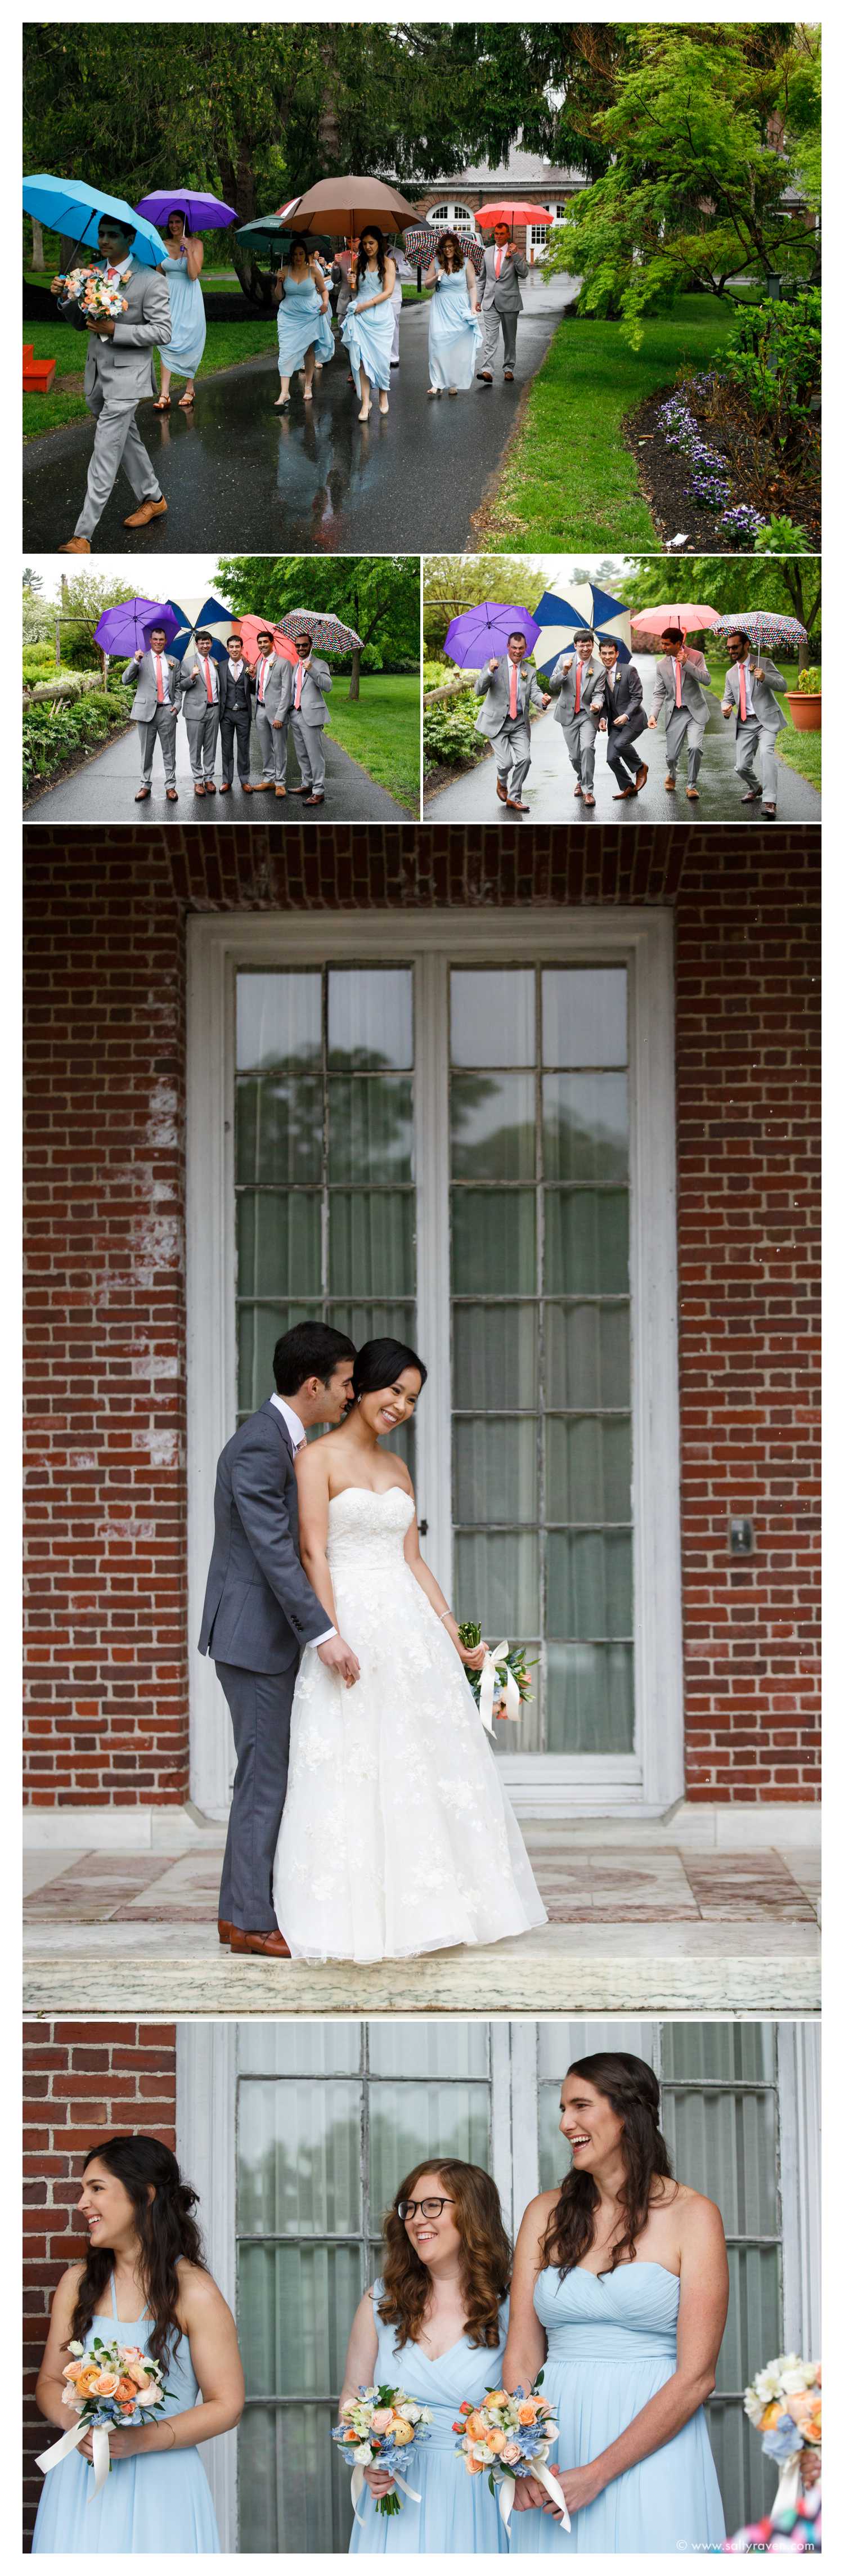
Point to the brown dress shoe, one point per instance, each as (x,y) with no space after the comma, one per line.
(172,795)
(210,787)
(75,546)
(693,794)
(263,1945)
(225,787)
(587,798)
(143,793)
(577,788)
(622,793)
(515,805)
(752,797)
(224,1931)
(641,775)
(147,510)
(501,791)
(198,788)
(281,791)
(670,785)
(313,800)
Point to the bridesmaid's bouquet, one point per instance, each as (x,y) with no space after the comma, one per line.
(501,1686)
(88,288)
(379,2427)
(107,2385)
(510,2436)
(784,2404)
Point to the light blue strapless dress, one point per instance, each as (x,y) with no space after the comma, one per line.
(457,2511)
(187,314)
(369,336)
(302,325)
(612,2343)
(454,332)
(157,2503)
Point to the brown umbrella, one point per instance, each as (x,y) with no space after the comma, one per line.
(347,205)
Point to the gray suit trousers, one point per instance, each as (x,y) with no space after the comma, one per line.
(310,752)
(491,323)
(273,746)
(160,728)
(681,728)
(752,737)
(202,742)
(117,441)
(512,753)
(260,1706)
(580,745)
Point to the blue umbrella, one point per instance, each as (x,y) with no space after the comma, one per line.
(557,618)
(192,615)
(67,206)
(484,630)
(130,623)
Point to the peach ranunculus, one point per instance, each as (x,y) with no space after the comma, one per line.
(73,2370)
(106,2384)
(496,2397)
(497,2441)
(528,2411)
(802,2409)
(402,2431)
(125,2391)
(135,2370)
(475,2467)
(771,2416)
(382,2419)
(475,2426)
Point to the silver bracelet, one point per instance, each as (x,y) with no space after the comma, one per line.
(445,1614)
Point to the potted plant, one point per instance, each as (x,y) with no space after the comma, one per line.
(805,701)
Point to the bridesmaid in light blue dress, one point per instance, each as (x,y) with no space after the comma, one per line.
(305,336)
(454,330)
(367,331)
(145,2254)
(182,269)
(441,2298)
(620,2291)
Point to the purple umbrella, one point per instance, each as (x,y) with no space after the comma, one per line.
(122,629)
(202,214)
(482,631)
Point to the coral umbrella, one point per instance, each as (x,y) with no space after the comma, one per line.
(687,613)
(202,214)
(251,627)
(519,211)
(347,205)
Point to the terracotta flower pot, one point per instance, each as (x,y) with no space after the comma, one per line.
(805,712)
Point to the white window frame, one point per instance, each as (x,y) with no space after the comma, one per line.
(651,1779)
(453,214)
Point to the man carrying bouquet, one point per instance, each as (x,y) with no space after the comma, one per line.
(118,374)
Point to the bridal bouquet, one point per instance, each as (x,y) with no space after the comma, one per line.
(502,1685)
(510,2435)
(109,2384)
(380,2427)
(88,288)
(784,2404)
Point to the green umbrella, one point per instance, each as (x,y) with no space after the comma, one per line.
(267,232)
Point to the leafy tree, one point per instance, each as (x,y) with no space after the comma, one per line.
(456,582)
(791,584)
(378,595)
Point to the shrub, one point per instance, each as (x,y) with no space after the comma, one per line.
(449,733)
(56,727)
(39,663)
(776,357)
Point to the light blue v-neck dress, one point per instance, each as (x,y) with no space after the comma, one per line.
(457,2511)
(158,2503)
(612,2343)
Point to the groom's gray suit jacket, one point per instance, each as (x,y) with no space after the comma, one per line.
(122,364)
(259,1606)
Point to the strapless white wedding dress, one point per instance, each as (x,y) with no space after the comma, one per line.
(396,1835)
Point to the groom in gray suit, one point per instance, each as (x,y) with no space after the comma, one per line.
(308,715)
(200,684)
(507,691)
(749,696)
(118,375)
(501,301)
(680,686)
(155,709)
(574,681)
(260,1613)
(272,684)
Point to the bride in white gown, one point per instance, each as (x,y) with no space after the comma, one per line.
(396,1835)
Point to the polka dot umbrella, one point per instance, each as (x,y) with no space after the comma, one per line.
(765,628)
(328,633)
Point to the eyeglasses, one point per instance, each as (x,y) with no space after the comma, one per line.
(428,2208)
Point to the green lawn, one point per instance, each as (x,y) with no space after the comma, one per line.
(227,344)
(380,730)
(570,483)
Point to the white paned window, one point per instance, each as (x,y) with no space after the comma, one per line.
(452,212)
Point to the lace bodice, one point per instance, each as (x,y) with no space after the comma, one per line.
(368,1527)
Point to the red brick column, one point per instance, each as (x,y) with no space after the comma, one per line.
(82,2083)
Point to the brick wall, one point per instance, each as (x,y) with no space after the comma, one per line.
(82,2082)
(456,195)
(105,1101)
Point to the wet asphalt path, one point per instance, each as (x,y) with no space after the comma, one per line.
(104,791)
(243,478)
(549,791)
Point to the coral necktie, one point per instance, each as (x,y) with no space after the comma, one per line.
(159,684)
(498,259)
(261,680)
(577,691)
(208,689)
(742,692)
(514,683)
(299,677)
(678,685)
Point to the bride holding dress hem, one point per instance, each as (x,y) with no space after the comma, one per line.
(396,1836)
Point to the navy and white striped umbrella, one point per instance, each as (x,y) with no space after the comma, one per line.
(585,605)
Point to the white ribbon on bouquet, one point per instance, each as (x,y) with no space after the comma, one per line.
(789,2491)
(507,2491)
(358,2487)
(490,1685)
(70,2442)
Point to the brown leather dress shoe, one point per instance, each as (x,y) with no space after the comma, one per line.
(172,794)
(281,791)
(262,1945)
(670,784)
(224,1931)
(501,791)
(515,805)
(693,794)
(198,788)
(641,775)
(622,793)
(75,546)
(147,510)
(143,793)
(210,787)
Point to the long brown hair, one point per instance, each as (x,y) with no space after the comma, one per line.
(444,239)
(633,2091)
(485,2255)
(165,2228)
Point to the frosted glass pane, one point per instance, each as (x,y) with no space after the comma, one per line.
(278,1018)
(732,2141)
(295,2306)
(278,1244)
(493,1241)
(584,1015)
(586,1241)
(493,1015)
(429,2047)
(293,2488)
(493,1126)
(587,1355)
(496,1473)
(370,1129)
(279,1128)
(298,2158)
(258,1330)
(495,1358)
(719,2049)
(371,1243)
(590,1584)
(746,2478)
(409,2121)
(588,1470)
(554,2156)
(585,1126)
(497,1583)
(299,2047)
(370,1016)
(371,1323)
(563,2040)
(589,1699)
(753,2332)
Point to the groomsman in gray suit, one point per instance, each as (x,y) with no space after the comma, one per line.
(681,680)
(749,696)
(507,691)
(260,1613)
(272,686)
(501,301)
(119,375)
(201,711)
(308,714)
(574,680)
(155,709)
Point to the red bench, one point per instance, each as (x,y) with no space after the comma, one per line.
(38,373)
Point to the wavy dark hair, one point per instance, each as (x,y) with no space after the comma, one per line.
(373,232)
(460,261)
(165,2227)
(187,234)
(485,2254)
(632,2088)
(299,241)
(378,1363)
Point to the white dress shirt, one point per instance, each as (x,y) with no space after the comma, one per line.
(298,1436)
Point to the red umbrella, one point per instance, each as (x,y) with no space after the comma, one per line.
(519,212)
(677,612)
(251,627)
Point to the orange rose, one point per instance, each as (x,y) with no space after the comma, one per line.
(475,2426)
(474,2466)
(496,2441)
(125,2392)
(528,2411)
(73,2370)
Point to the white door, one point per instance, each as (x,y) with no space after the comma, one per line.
(537,235)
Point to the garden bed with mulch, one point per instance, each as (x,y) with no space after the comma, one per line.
(74,761)
(664,479)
